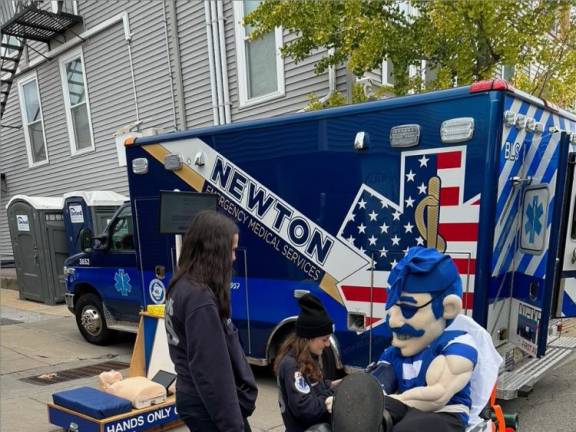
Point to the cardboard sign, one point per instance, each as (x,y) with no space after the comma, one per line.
(524,326)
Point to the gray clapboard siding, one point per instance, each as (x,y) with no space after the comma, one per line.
(111,95)
(169,52)
(112,106)
(375,75)
(151,64)
(93,12)
(299,80)
(342,79)
(195,64)
(150,58)
(10,150)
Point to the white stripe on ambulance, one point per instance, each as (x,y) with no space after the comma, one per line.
(309,239)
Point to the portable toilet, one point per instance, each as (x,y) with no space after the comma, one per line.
(39,243)
(88,209)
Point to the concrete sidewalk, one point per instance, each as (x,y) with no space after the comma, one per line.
(35,339)
(8,278)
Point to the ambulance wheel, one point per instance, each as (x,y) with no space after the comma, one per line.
(329,366)
(91,321)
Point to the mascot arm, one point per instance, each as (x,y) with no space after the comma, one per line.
(446,376)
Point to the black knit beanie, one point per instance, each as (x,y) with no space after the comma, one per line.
(313,321)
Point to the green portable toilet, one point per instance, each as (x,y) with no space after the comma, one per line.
(39,243)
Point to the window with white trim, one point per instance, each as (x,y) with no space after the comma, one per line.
(260,65)
(32,121)
(76,103)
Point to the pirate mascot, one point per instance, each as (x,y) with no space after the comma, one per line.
(426,373)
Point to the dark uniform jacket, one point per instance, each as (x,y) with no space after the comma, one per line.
(207,355)
(301,401)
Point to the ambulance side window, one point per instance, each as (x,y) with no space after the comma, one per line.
(121,237)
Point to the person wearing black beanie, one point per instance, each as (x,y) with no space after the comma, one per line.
(313,320)
(302,387)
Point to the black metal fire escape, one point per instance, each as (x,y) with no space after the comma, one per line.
(29,23)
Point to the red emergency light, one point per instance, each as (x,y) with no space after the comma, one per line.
(487,85)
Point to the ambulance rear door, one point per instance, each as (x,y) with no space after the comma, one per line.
(540,240)
(565,278)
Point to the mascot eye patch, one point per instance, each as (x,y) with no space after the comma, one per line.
(409,310)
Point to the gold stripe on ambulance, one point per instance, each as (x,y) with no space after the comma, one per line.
(328,283)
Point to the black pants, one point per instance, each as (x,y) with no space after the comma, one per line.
(192,412)
(408,419)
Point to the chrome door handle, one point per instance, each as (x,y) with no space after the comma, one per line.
(573,260)
(300,293)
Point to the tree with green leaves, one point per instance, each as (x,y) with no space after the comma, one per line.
(461,41)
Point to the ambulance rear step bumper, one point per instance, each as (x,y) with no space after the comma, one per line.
(532,370)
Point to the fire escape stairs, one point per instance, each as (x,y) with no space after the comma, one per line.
(28,23)
(10,55)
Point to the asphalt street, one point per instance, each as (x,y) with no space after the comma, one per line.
(36,339)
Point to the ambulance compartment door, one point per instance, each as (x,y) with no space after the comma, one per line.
(156,252)
(239,299)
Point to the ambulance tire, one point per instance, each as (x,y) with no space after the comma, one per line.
(91,321)
(329,365)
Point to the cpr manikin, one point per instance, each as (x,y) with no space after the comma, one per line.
(427,371)
(141,391)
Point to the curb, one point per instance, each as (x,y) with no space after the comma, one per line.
(9,283)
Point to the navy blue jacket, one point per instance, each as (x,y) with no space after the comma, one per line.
(208,356)
(301,401)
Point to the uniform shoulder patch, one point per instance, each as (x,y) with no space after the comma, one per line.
(300,383)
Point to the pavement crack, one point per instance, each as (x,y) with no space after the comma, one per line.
(24,354)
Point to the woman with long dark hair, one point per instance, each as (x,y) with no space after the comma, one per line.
(302,387)
(215,388)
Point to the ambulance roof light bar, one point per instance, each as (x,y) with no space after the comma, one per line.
(487,85)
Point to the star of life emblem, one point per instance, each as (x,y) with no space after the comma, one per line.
(122,282)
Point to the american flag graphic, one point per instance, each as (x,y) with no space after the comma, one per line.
(431,212)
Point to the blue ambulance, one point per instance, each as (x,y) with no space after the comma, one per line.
(327,202)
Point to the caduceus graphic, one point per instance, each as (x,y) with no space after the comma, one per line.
(427,216)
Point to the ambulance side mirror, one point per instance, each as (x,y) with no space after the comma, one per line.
(85,240)
(102,241)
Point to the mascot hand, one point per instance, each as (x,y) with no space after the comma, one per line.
(329,402)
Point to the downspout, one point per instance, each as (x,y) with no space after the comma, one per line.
(331,82)
(128,37)
(169,65)
(350,81)
(208,16)
(224,63)
(182,123)
(217,61)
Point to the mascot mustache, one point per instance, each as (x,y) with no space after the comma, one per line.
(407,330)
